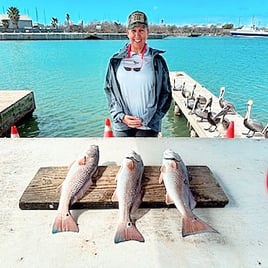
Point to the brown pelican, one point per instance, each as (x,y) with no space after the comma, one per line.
(190,99)
(174,84)
(252,125)
(202,112)
(202,99)
(223,103)
(214,119)
(265,131)
(186,92)
(180,88)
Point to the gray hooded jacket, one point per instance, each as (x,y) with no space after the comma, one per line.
(163,96)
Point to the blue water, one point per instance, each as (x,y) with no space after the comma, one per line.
(67,78)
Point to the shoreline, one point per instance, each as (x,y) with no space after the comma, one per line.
(70,36)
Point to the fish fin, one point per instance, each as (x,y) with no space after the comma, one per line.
(130,165)
(127,231)
(82,161)
(161,176)
(173,164)
(114,196)
(192,202)
(169,200)
(192,225)
(163,169)
(64,223)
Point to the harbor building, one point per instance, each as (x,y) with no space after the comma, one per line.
(24,22)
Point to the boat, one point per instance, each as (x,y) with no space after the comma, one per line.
(249,31)
(194,35)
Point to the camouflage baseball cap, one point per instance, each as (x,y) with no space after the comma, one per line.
(137,18)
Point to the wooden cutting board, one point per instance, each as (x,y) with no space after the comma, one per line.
(43,192)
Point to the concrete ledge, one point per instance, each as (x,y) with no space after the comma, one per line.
(239,164)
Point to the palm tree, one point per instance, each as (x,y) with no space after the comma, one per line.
(54,22)
(67,17)
(5,24)
(14,16)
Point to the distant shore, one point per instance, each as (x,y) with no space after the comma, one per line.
(70,36)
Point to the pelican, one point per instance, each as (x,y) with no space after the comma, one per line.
(180,88)
(223,103)
(265,131)
(202,99)
(202,112)
(214,119)
(190,99)
(174,84)
(252,125)
(186,92)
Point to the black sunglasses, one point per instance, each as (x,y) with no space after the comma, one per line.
(134,69)
(129,64)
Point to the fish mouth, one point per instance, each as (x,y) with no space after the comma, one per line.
(171,155)
(132,155)
(133,158)
(172,158)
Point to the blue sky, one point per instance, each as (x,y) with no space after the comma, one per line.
(179,12)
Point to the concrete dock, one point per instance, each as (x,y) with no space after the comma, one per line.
(240,166)
(199,128)
(15,105)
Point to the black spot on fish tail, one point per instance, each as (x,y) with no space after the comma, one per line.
(64,223)
(127,231)
(192,225)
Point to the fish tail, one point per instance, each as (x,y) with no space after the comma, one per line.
(193,225)
(127,231)
(64,223)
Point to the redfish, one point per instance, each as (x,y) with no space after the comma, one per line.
(75,185)
(129,195)
(176,180)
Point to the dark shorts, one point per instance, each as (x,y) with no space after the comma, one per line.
(133,132)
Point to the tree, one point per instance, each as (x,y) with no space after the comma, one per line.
(5,24)
(14,16)
(67,17)
(54,22)
(228,26)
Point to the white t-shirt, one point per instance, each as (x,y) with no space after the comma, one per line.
(137,87)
